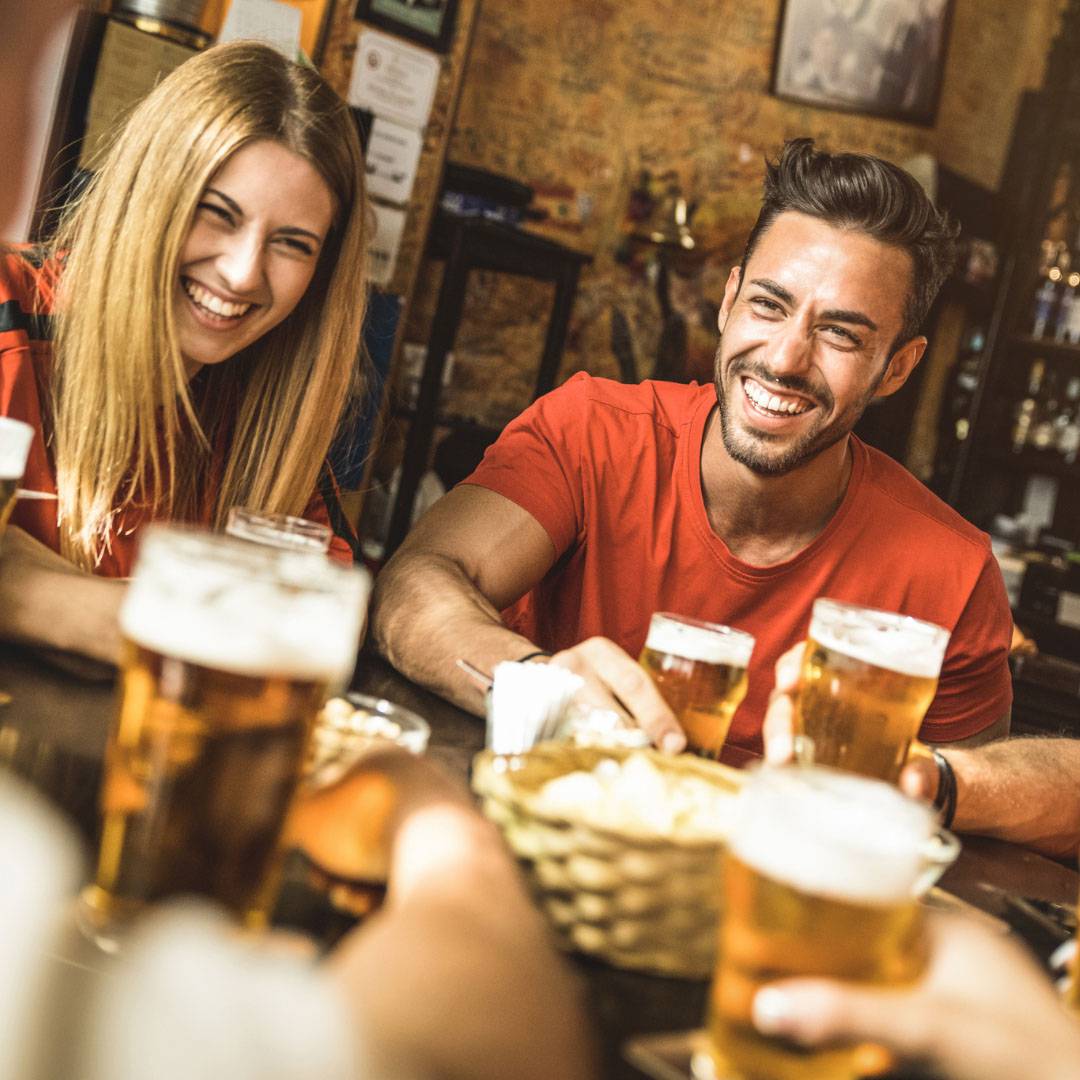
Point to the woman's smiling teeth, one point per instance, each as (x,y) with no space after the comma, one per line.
(772,403)
(212,304)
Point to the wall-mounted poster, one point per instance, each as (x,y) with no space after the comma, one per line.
(883,57)
(427,22)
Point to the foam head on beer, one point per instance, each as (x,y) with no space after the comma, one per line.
(225,604)
(707,643)
(831,834)
(883,639)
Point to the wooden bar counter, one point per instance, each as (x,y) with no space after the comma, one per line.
(53,732)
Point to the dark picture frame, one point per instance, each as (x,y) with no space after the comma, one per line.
(427,22)
(876,57)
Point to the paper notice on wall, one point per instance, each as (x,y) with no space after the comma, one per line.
(393,153)
(393,80)
(264,20)
(383,248)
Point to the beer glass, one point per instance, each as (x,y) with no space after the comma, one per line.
(278,530)
(700,670)
(868,678)
(821,878)
(229,651)
(15,439)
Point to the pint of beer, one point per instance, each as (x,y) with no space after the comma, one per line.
(820,879)
(229,651)
(700,670)
(868,678)
(278,530)
(15,439)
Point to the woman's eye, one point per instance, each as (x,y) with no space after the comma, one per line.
(217,211)
(301,247)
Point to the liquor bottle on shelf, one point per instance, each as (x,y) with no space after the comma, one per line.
(1026,411)
(1053,265)
(1042,434)
(1068,426)
(1068,320)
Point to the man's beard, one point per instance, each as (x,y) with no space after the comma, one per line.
(753,450)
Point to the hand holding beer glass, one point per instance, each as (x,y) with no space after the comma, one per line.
(229,651)
(700,670)
(821,878)
(868,678)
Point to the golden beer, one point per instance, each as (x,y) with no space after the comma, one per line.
(229,652)
(700,670)
(868,679)
(820,880)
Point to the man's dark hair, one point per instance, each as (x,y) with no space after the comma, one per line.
(856,191)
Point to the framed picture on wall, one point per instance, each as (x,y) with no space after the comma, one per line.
(427,22)
(881,57)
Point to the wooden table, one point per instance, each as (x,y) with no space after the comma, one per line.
(54,732)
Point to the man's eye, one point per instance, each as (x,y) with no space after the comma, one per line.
(845,335)
(765,305)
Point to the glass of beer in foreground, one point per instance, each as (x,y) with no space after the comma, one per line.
(229,651)
(700,670)
(868,678)
(821,878)
(15,440)
(278,530)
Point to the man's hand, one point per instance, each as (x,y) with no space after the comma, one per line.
(983,1011)
(614,680)
(919,778)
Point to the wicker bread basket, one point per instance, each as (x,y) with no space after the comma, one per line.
(635,898)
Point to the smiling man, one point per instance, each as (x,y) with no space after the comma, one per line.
(738,503)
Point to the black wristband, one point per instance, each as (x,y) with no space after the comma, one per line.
(533,655)
(945,799)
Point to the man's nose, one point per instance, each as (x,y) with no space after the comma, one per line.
(240,263)
(790,347)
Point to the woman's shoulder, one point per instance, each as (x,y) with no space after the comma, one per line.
(28,278)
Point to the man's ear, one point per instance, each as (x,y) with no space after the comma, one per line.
(901,364)
(731,290)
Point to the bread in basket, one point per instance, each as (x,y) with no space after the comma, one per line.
(636,894)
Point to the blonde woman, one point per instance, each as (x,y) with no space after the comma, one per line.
(191,340)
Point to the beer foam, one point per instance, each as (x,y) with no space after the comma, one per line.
(833,834)
(699,641)
(256,611)
(15,440)
(886,640)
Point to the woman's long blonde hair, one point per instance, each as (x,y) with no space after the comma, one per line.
(126,429)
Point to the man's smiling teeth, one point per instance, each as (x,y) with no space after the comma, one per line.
(770,402)
(214,304)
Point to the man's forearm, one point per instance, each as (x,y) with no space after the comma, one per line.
(1023,790)
(426,614)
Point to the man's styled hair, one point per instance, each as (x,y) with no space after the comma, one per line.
(872,196)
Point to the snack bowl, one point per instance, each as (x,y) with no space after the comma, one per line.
(628,872)
(346,727)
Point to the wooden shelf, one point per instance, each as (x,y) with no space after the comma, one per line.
(1034,461)
(1063,349)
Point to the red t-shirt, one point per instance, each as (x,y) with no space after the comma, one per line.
(613,474)
(27,294)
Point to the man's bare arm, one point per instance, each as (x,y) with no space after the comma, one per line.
(438,600)
(1026,791)
(439,597)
